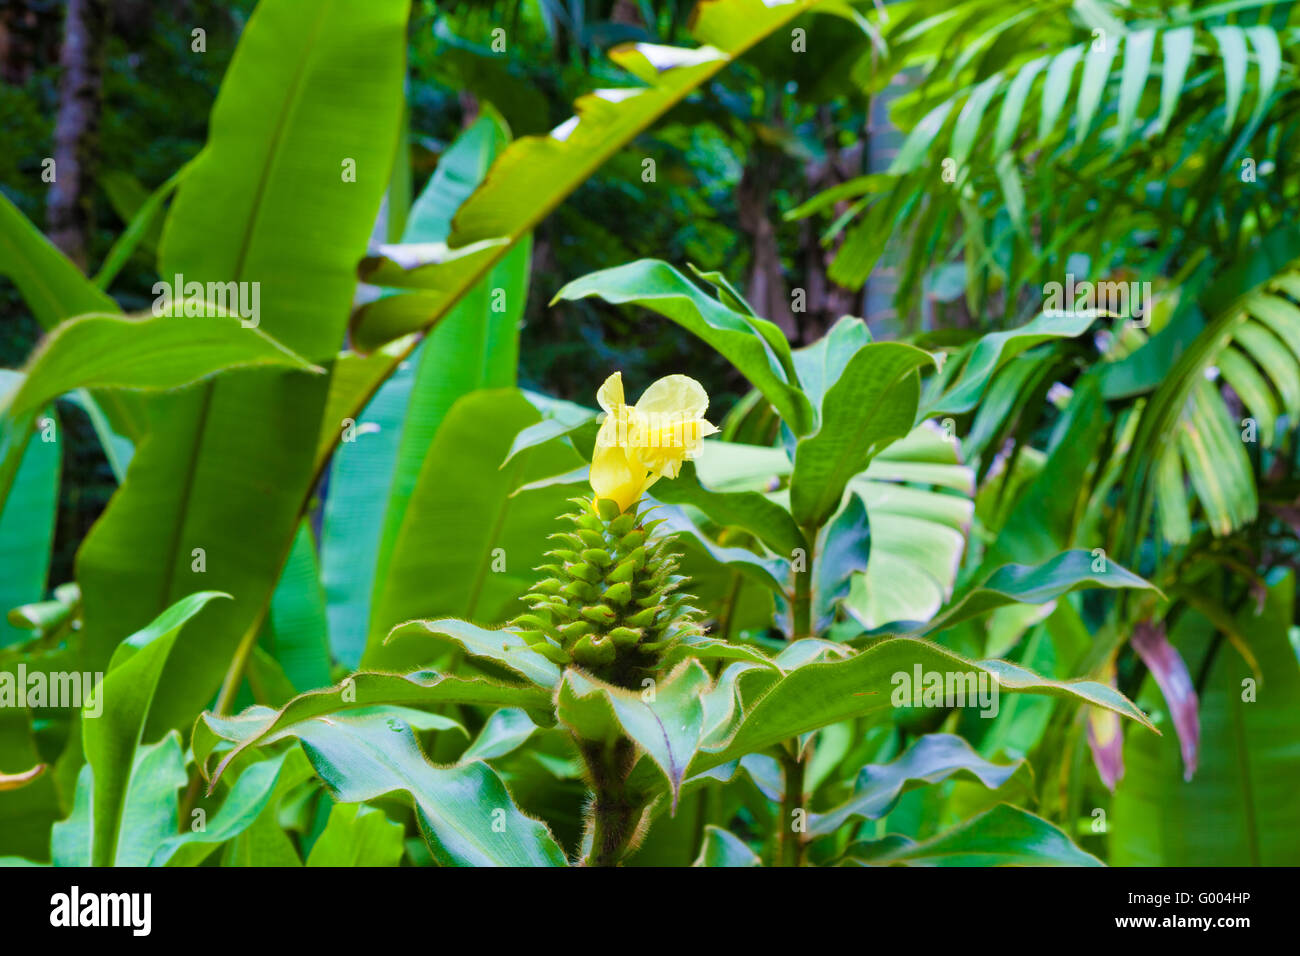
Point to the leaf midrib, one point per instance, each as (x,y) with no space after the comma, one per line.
(291,103)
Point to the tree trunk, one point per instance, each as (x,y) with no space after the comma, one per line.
(69,209)
(766,289)
(826,301)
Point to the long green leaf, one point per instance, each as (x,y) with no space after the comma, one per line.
(873,403)
(1096,71)
(1138,48)
(245,802)
(125,696)
(474,346)
(105,351)
(252,209)
(1003,836)
(931,759)
(501,646)
(1176,50)
(152,353)
(149,811)
(27,517)
(261,726)
(1056,88)
(297,630)
(822,693)
(465,812)
(54,289)
(756,347)
(1268,52)
(1021,584)
(966,376)
(1232,45)
(1013,104)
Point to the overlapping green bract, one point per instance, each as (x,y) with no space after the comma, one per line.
(612,602)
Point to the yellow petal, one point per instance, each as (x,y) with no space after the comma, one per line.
(663,450)
(694,434)
(616,475)
(675,395)
(614,429)
(637,445)
(610,396)
(665,462)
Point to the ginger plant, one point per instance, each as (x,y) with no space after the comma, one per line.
(611,603)
(610,660)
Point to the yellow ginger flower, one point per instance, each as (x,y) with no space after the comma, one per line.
(639,444)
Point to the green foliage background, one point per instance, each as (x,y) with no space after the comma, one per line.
(1097,515)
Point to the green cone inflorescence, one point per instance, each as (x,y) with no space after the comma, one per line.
(610,603)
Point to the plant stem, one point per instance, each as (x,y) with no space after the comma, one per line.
(802,612)
(225,700)
(790,846)
(613,826)
(614,814)
(238,664)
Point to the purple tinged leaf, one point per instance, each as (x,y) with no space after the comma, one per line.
(1106,741)
(1170,671)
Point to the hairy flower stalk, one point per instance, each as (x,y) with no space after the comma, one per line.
(611,603)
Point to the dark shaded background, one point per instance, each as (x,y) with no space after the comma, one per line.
(729,163)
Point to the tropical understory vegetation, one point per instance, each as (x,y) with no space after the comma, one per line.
(762,432)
